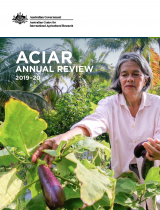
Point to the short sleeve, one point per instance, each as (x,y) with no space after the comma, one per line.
(97,123)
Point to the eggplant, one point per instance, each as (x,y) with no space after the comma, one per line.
(52,190)
(139,150)
(147,164)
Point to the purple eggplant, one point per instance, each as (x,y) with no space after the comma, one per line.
(139,150)
(147,164)
(52,190)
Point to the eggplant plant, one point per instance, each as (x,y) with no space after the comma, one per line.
(76,181)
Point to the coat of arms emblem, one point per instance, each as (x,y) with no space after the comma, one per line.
(19,18)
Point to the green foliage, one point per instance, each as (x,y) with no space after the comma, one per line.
(5,47)
(1,146)
(97,92)
(37,203)
(70,109)
(155,90)
(18,84)
(6,158)
(21,124)
(10,186)
(100,91)
(88,58)
(94,184)
(85,181)
(1,113)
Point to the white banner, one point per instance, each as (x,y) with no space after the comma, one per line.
(83,18)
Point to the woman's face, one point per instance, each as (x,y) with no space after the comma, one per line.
(131,78)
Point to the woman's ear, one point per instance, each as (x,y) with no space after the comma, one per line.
(146,80)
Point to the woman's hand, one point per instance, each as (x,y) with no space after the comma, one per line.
(153,150)
(51,143)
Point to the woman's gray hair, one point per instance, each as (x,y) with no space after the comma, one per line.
(141,61)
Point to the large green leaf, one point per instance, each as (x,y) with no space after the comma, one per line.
(153,175)
(74,140)
(74,203)
(141,208)
(51,152)
(150,194)
(94,184)
(119,207)
(87,164)
(37,203)
(131,175)
(71,193)
(6,158)
(57,152)
(10,186)
(34,100)
(32,175)
(152,190)
(104,201)
(22,127)
(128,184)
(63,166)
(64,146)
(125,185)
(140,189)
(90,144)
(78,143)
(125,200)
(107,151)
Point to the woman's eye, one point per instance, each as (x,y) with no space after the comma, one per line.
(136,74)
(124,75)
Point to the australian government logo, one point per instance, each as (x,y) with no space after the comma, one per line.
(43,21)
(20,18)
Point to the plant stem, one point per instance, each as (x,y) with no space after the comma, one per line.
(141,199)
(18,158)
(144,200)
(19,165)
(19,204)
(13,155)
(95,156)
(66,179)
(94,208)
(28,163)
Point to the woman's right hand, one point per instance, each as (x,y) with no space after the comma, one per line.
(51,143)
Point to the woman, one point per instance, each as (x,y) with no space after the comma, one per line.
(129,117)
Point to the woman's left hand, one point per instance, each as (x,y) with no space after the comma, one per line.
(153,150)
